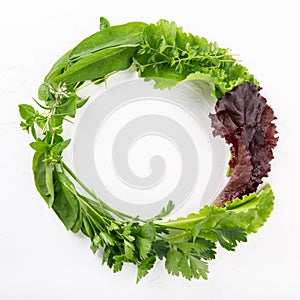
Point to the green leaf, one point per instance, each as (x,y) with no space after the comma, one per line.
(58,67)
(148,231)
(144,246)
(172,261)
(144,266)
(121,35)
(104,23)
(26,111)
(65,204)
(249,213)
(165,211)
(78,224)
(69,107)
(129,249)
(118,263)
(59,147)
(49,183)
(163,78)
(40,146)
(44,92)
(199,268)
(185,269)
(39,172)
(80,102)
(86,228)
(229,237)
(161,248)
(99,64)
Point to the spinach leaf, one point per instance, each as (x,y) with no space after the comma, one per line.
(65,204)
(126,34)
(98,64)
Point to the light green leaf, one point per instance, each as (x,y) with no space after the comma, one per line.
(44,92)
(172,261)
(40,146)
(104,23)
(129,249)
(144,245)
(26,111)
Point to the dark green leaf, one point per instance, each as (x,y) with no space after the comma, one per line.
(144,267)
(78,224)
(229,237)
(39,172)
(148,231)
(161,248)
(99,64)
(65,204)
(121,35)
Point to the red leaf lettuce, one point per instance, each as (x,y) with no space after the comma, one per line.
(244,119)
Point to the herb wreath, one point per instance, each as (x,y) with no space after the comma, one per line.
(164,53)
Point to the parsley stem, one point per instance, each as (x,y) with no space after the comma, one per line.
(105,206)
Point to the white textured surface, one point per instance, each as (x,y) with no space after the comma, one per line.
(38,258)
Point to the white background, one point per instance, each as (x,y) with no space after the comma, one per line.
(39,259)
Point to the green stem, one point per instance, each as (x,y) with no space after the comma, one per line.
(182,223)
(119,214)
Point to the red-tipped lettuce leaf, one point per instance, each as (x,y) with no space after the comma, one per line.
(244,119)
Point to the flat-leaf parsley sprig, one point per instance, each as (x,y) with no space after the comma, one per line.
(164,53)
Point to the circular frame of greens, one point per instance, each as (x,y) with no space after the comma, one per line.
(164,53)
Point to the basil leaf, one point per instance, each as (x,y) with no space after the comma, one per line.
(98,64)
(127,34)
